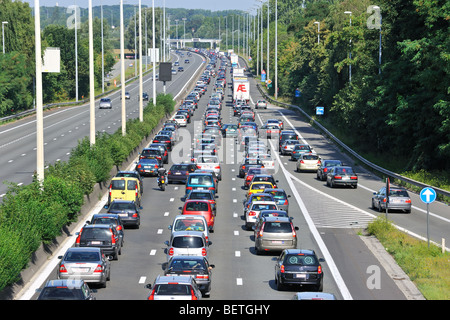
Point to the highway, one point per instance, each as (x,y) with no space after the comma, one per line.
(330,220)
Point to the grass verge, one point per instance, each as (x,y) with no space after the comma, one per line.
(428,268)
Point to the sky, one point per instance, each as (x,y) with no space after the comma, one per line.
(213,5)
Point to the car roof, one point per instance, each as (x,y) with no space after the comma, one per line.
(277,219)
(109,215)
(264,202)
(187,233)
(297,251)
(177,279)
(94,249)
(189,216)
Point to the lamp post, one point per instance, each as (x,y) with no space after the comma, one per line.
(184,31)
(39,107)
(379,50)
(318,31)
(3,35)
(154,53)
(350,53)
(276,49)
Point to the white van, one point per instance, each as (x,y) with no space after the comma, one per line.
(190,223)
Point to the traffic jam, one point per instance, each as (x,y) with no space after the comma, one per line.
(265,209)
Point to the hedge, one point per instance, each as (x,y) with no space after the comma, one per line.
(33,214)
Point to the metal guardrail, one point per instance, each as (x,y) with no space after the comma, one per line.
(352,152)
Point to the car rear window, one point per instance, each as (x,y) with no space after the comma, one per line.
(184,264)
(61,293)
(197,206)
(118,185)
(301,259)
(180,167)
(310,157)
(172,289)
(122,206)
(257,206)
(398,193)
(96,233)
(81,256)
(278,194)
(187,242)
(200,195)
(278,227)
(201,180)
(104,220)
(344,170)
(189,224)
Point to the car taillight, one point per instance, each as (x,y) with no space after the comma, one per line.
(408,201)
(119,228)
(353,178)
(325,169)
(188,188)
(294,234)
(62,269)
(99,268)
(136,189)
(113,239)
(252,213)
(384,200)
(79,236)
(319,269)
(217,167)
(169,172)
(301,161)
(285,147)
(171,252)
(319,162)
(282,268)
(338,177)
(211,188)
(202,276)
(139,166)
(194,297)
(204,252)
(286,202)
(152,295)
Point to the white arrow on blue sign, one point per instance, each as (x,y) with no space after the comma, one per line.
(428,195)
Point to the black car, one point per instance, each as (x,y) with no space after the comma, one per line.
(103,236)
(112,219)
(164,150)
(249,163)
(163,139)
(145,96)
(148,167)
(299,267)
(128,211)
(180,171)
(325,166)
(197,267)
(153,153)
(287,135)
(67,289)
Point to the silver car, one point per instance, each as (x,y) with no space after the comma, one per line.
(88,264)
(288,146)
(252,213)
(105,103)
(261,104)
(187,243)
(398,200)
(174,288)
(276,234)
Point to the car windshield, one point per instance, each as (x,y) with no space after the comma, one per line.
(300,260)
(81,256)
(185,264)
(189,224)
(197,206)
(187,242)
(172,289)
(332,163)
(277,227)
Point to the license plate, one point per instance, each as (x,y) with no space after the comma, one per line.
(96,242)
(123,214)
(277,242)
(82,270)
(300,276)
(178,173)
(200,188)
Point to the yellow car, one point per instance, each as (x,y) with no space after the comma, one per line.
(125,188)
(259,187)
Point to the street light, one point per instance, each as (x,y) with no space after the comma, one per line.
(318,31)
(379,51)
(3,35)
(350,53)
(184,31)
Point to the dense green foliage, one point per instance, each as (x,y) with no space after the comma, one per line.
(403,111)
(34,214)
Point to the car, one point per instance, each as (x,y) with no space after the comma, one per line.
(154,153)
(342,176)
(188,222)
(286,135)
(192,243)
(200,207)
(202,181)
(269,131)
(276,234)
(203,195)
(299,267)
(259,187)
(88,264)
(280,197)
(205,162)
(176,63)
(308,162)
(179,172)
(299,149)
(261,104)
(145,96)
(181,120)
(256,197)
(277,122)
(103,236)
(111,219)
(164,139)
(128,211)
(252,213)
(191,266)
(399,199)
(229,130)
(164,150)
(174,288)
(313,296)
(66,289)
(325,166)
(264,214)
(105,103)
(127,95)
(148,167)
(264,178)
(174,71)
(288,146)
(186,61)
(132,174)
(249,163)
(180,69)
(125,188)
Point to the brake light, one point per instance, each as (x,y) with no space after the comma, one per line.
(136,189)
(301,161)
(217,167)
(194,297)
(294,234)
(353,178)
(62,269)
(99,268)
(119,228)
(408,201)
(169,172)
(384,200)
(319,269)
(188,188)
(79,236)
(139,166)
(152,295)
(252,213)
(204,252)
(113,239)
(211,188)
(171,252)
(202,276)
(338,177)
(282,268)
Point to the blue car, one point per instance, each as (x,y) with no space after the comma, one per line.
(148,167)
(257,197)
(200,181)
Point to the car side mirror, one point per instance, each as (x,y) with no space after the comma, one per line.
(209,243)
(169,227)
(289,196)
(166,243)
(148,286)
(297,228)
(321,260)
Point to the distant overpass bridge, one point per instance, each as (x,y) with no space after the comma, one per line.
(181,43)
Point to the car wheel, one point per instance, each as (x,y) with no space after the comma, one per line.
(280,286)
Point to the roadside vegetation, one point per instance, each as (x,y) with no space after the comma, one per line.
(428,268)
(31,215)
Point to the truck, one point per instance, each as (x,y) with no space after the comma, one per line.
(234,60)
(241,89)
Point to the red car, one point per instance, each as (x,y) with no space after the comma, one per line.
(200,207)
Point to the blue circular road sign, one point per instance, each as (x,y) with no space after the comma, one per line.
(428,195)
